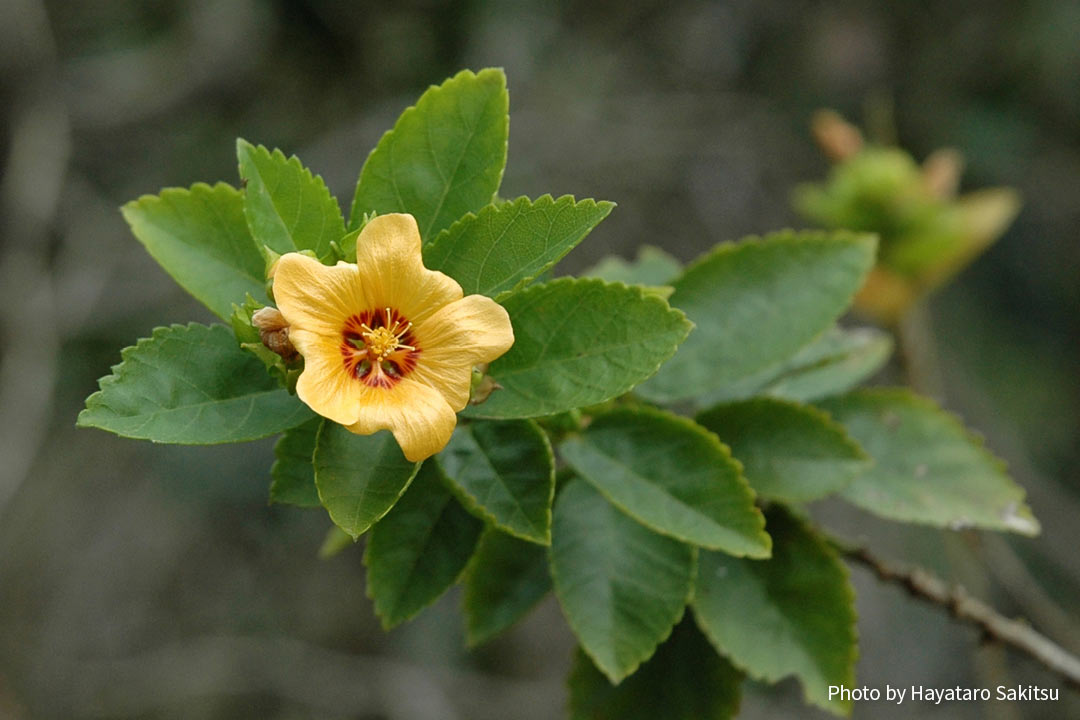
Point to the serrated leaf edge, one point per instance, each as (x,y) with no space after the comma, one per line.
(617,678)
(355,216)
(94,400)
(640,293)
(849,593)
(292,160)
(322,501)
(467,596)
(841,433)
(717,444)
(385,620)
(976,439)
(474,507)
(605,206)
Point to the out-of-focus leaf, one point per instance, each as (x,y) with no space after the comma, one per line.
(653,267)
(927,468)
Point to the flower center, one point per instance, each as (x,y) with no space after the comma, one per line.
(381,342)
(378,347)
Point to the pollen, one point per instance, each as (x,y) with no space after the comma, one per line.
(385,340)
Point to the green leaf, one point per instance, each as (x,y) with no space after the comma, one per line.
(505,472)
(789,452)
(292,472)
(445,156)
(927,468)
(201,239)
(653,267)
(287,208)
(419,549)
(756,303)
(791,615)
(579,342)
(191,385)
(507,577)
(622,587)
(359,477)
(685,680)
(506,245)
(671,475)
(831,364)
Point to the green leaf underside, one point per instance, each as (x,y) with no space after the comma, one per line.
(505,472)
(789,452)
(621,586)
(199,236)
(419,549)
(191,385)
(445,156)
(685,680)
(756,303)
(359,477)
(286,206)
(507,577)
(833,363)
(652,267)
(791,615)
(671,475)
(927,467)
(506,245)
(579,342)
(293,475)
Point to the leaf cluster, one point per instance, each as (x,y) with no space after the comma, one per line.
(631,480)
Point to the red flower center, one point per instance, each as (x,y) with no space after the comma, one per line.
(378,347)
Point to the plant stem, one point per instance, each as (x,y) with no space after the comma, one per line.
(929,588)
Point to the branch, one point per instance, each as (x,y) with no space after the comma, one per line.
(929,588)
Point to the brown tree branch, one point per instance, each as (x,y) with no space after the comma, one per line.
(929,588)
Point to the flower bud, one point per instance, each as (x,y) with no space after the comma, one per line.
(273,331)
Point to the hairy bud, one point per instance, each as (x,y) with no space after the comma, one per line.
(273,331)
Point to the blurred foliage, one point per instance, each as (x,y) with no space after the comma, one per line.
(927,234)
(138,582)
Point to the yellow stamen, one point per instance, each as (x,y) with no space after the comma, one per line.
(384,341)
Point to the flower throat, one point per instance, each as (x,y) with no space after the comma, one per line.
(378,347)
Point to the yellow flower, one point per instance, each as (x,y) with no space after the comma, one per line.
(387,343)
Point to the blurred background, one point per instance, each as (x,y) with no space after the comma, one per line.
(141,581)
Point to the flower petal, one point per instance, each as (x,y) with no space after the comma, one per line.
(472,330)
(391,268)
(418,416)
(315,297)
(324,385)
